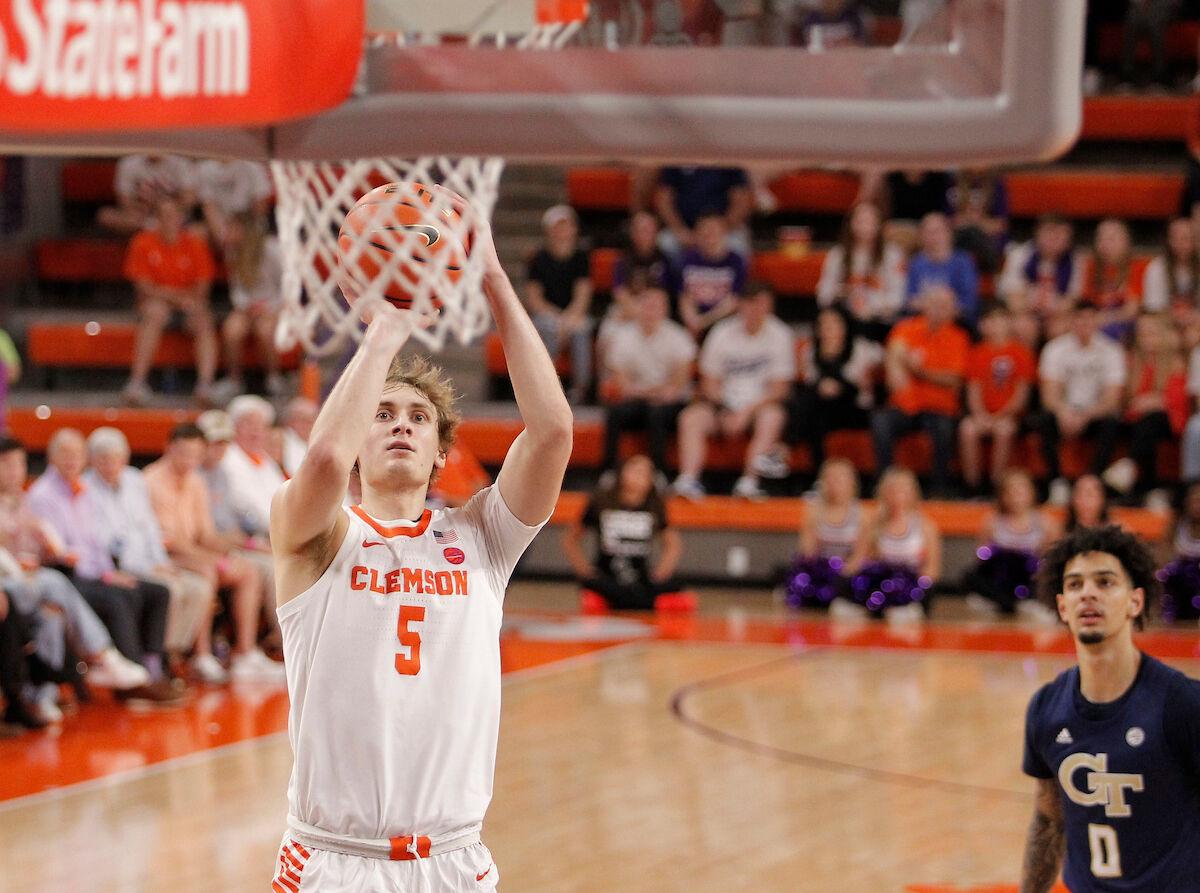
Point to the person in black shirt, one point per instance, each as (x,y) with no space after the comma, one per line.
(1113,742)
(630,519)
(559,296)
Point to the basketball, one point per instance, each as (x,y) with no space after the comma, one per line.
(401,218)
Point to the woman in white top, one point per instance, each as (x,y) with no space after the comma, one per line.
(831,527)
(1172,279)
(898,557)
(255,267)
(864,271)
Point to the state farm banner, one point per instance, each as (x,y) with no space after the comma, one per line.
(103,65)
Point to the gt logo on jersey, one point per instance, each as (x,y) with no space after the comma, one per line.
(1103,788)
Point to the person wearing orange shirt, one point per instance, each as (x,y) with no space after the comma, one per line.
(1000,376)
(171,269)
(924,367)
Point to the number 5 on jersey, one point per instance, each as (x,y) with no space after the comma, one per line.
(410,664)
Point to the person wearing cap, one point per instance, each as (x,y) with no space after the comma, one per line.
(252,474)
(180,501)
(558,294)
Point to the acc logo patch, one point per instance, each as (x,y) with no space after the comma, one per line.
(454,556)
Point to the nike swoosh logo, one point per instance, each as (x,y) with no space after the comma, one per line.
(480,877)
(431,233)
(368,544)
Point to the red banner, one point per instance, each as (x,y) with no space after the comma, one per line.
(102,65)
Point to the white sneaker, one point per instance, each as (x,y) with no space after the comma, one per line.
(1060,492)
(771,465)
(747,488)
(209,669)
(254,666)
(1036,612)
(688,487)
(913,613)
(980,605)
(1121,475)
(844,609)
(136,394)
(45,704)
(113,670)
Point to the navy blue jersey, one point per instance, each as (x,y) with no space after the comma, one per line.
(1128,773)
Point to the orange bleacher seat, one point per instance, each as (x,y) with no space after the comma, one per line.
(80,260)
(815,191)
(146,429)
(493,354)
(89,180)
(1144,118)
(603,264)
(1094,194)
(599,188)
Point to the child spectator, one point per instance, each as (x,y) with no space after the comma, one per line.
(1181,575)
(746,369)
(979,211)
(938,263)
(685,194)
(559,295)
(1013,538)
(709,277)
(835,391)
(832,525)
(1042,280)
(1155,408)
(864,272)
(1088,504)
(1109,283)
(924,367)
(898,556)
(1001,372)
(1171,282)
(648,378)
(1082,377)
(141,183)
(171,269)
(630,519)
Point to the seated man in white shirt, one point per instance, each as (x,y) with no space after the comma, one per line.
(746,369)
(253,476)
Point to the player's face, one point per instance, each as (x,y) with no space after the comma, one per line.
(1098,598)
(402,446)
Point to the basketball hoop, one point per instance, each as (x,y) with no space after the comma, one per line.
(314,197)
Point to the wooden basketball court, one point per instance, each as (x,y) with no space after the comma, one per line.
(734,751)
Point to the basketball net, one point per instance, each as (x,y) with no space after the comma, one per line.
(314,197)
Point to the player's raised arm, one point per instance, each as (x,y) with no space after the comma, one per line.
(531,477)
(307,507)
(1045,845)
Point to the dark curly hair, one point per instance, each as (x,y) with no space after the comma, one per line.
(1133,554)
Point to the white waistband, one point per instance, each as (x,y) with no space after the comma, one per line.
(395,848)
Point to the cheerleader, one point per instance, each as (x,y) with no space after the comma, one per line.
(1008,557)
(1181,576)
(898,556)
(830,530)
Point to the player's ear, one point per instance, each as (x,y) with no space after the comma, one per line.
(1060,602)
(439,461)
(1137,602)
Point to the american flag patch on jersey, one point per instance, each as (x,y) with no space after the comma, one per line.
(445,536)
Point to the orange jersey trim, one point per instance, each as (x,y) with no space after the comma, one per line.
(419,529)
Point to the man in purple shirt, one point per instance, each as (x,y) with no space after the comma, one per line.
(709,277)
(135,611)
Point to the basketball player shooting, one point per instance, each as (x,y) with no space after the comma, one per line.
(1114,742)
(391,613)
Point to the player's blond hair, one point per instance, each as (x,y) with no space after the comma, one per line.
(431,382)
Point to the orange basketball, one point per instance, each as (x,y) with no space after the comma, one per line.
(400,218)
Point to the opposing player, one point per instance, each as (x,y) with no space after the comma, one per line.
(391,614)
(1114,742)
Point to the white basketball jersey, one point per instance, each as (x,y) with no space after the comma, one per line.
(393,667)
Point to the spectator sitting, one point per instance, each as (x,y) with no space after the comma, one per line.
(864,272)
(127,522)
(1171,282)
(232,188)
(1148,18)
(686,194)
(1155,409)
(298,418)
(906,197)
(924,367)
(1082,378)
(709,277)
(1041,281)
(830,25)
(980,214)
(898,556)
(1109,283)
(1087,505)
(559,295)
(1014,536)
(171,269)
(134,610)
(835,391)
(939,263)
(181,503)
(630,519)
(746,370)
(253,477)
(1181,575)
(10,372)
(648,378)
(1001,372)
(255,263)
(643,261)
(141,183)
(831,527)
